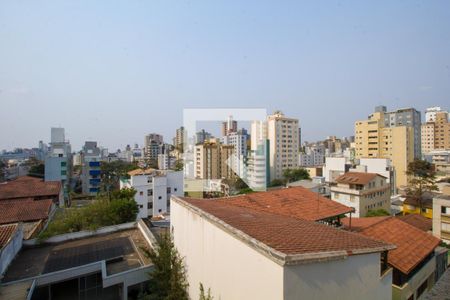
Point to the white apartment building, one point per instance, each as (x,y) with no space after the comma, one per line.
(430,113)
(239,141)
(238,253)
(165,161)
(153,190)
(314,156)
(283,136)
(441,218)
(362,191)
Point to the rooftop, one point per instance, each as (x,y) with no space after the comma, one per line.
(357,178)
(24,210)
(121,250)
(296,202)
(418,221)
(6,231)
(285,239)
(413,244)
(139,171)
(29,187)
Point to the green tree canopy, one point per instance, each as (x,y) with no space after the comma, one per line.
(291,175)
(111,172)
(421,179)
(168,278)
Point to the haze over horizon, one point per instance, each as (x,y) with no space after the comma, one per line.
(115,71)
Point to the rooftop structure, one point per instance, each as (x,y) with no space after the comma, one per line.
(31,187)
(24,210)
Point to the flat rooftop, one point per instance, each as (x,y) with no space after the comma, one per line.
(121,251)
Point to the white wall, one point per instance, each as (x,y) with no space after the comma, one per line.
(333,165)
(221,262)
(9,251)
(357,277)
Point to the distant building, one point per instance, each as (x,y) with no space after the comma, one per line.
(362,191)
(180,139)
(394,135)
(58,161)
(165,161)
(154,188)
(91,168)
(239,141)
(202,136)
(271,245)
(214,161)
(440,159)
(314,156)
(152,146)
(441,218)
(229,126)
(282,133)
(430,113)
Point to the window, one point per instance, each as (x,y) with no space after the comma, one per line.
(383,262)
(174,189)
(150,192)
(424,210)
(159,197)
(141,193)
(422,288)
(150,205)
(443,210)
(169,190)
(63,164)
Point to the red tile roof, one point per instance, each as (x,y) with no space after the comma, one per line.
(359,224)
(29,187)
(417,221)
(357,178)
(6,231)
(413,245)
(288,235)
(24,210)
(297,202)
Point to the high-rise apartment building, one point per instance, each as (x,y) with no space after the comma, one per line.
(393,135)
(91,157)
(239,141)
(180,138)
(202,136)
(152,143)
(214,161)
(58,160)
(283,134)
(229,126)
(436,131)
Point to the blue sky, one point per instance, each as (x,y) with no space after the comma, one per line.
(113,71)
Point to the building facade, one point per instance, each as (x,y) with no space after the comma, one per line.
(153,190)
(91,157)
(282,133)
(362,191)
(214,161)
(441,218)
(393,135)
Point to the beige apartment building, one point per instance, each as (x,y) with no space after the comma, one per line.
(436,133)
(381,137)
(283,136)
(214,160)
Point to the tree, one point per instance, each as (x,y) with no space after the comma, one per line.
(377,213)
(125,193)
(37,170)
(422,180)
(276,182)
(179,165)
(111,172)
(291,175)
(168,278)
(202,293)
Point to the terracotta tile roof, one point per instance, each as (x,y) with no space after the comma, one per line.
(29,187)
(297,202)
(357,178)
(417,221)
(6,231)
(288,235)
(359,224)
(24,210)
(413,245)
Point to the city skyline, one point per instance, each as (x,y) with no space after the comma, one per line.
(131,69)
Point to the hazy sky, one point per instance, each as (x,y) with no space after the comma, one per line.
(113,71)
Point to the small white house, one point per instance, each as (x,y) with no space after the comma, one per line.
(153,190)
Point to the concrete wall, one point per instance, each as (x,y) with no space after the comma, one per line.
(357,277)
(9,251)
(221,262)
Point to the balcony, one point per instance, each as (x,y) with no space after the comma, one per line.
(94,164)
(94,172)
